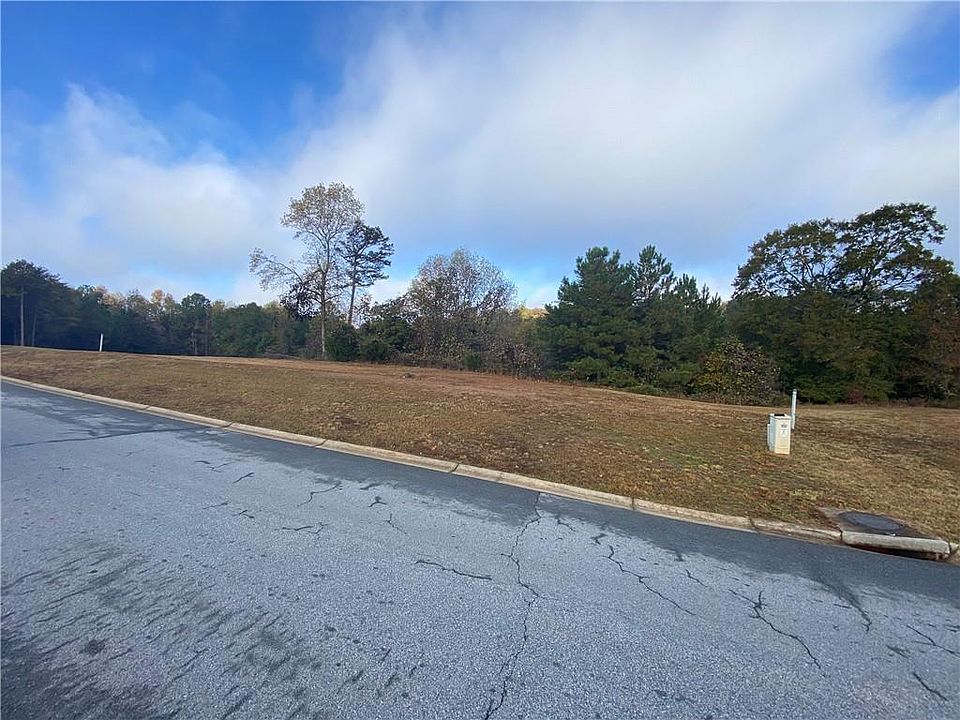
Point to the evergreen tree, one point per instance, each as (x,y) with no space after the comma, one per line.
(592,327)
(366,252)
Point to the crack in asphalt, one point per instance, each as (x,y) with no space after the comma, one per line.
(211,466)
(243,477)
(642,580)
(508,665)
(337,484)
(933,642)
(310,499)
(396,527)
(314,530)
(694,578)
(843,592)
(421,561)
(757,607)
(512,556)
(377,500)
(931,690)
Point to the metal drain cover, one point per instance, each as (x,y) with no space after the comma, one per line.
(870,531)
(873,523)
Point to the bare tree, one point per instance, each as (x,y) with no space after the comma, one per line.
(366,252)
(312,284)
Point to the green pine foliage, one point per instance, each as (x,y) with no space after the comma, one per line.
(631,325)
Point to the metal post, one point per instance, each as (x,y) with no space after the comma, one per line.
(793,410)
(101,347)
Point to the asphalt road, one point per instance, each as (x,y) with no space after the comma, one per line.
(153,568)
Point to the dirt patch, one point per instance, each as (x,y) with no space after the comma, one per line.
(896,460)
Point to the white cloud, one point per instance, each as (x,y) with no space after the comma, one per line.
(390,288)
(120,209)
(527,133)
(247,289)
(636,120)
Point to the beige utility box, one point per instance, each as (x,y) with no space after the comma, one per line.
(778,433)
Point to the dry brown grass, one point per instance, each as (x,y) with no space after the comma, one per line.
(898,460)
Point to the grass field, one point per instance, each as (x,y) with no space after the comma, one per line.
(903,461)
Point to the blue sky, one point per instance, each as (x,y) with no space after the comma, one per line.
(154,145)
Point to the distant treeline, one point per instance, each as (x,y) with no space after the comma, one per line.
(844,310)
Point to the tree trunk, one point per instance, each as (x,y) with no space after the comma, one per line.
(323,336)
(353,292)
(33,332)
(323,325)
(23,336)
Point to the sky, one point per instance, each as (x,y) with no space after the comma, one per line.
(154,145)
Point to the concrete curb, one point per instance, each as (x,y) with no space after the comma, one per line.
(276,434)
(445,466)
(776,527)
(731,522)
(934,546)
(175,414)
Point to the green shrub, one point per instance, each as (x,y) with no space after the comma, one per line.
(619,378)
(736,373)
(342,343)
(373,349)
(677,379)
(589,369)
(473,361)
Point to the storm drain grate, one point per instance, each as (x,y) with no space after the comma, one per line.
(874,523)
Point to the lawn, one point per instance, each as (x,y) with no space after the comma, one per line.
(904,461)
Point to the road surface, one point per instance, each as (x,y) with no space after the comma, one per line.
(152,568)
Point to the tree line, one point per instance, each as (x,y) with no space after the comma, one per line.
(844,310)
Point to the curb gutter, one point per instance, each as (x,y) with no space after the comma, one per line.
(934,546)
(732,522)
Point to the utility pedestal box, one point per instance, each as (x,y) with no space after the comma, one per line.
(778,433)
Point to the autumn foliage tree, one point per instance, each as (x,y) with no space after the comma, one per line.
(456,303)
(312,284)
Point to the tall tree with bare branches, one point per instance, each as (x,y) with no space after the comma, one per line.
(312,284)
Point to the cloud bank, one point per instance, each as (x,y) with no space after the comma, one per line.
(526,133)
